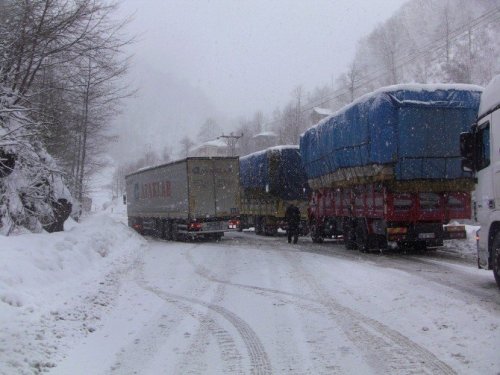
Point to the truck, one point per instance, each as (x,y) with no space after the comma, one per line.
(386,170)
(196,197)
(270,180)
(480,148)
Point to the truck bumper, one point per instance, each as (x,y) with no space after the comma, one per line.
(430,234)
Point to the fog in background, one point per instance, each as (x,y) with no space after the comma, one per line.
(228,59)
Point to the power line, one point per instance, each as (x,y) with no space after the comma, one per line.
(428,49)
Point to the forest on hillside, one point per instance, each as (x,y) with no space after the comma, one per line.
(426,41)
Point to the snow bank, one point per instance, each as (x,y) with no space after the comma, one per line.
(46,278)
(35,268)
(465,249)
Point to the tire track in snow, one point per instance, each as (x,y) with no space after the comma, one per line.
(293,297)
(192,361)
(391,351)
(259,361)
(149,341)
(304,303)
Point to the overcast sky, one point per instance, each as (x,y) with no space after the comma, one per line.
(246,56)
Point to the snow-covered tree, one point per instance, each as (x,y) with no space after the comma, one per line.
(32,191)
(60,62)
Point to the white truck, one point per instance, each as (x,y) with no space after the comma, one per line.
(481,152)
(186,199)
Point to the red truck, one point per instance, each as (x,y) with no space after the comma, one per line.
(378,215)
(386,170)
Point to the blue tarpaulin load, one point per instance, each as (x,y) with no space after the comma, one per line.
(277,171)
(409,132)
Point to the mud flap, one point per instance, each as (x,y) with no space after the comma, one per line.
(454,232)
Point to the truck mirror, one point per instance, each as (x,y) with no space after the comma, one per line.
(467,145)
(468,151)
(124,199)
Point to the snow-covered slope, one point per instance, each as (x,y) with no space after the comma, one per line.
(59,284)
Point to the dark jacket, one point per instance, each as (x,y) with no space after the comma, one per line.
(292,216)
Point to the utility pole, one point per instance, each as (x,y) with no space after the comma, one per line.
(231,141)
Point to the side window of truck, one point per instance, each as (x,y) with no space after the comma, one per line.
(484,146)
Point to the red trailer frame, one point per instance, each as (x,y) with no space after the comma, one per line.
(373,216)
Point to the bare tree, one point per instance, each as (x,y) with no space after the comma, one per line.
(257,122)
(166,154)
(244,143)
(186,146)
(349,81)
(60,65)
(209,130)
(387,41)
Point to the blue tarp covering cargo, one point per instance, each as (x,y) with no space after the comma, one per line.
(411,130)
(277,171)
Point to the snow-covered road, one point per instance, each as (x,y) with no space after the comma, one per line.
(256,305)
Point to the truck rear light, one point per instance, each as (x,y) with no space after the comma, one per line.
(397,230)
(233,224)
(137,227)
(195,226)
(397,233)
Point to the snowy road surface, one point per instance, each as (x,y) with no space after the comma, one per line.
(256,305)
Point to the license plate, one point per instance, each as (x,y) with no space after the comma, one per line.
(426,236)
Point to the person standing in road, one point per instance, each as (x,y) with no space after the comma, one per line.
(292,217)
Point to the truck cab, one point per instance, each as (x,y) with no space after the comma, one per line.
(480,149)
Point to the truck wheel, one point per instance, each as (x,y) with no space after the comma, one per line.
(316,233)
(495,258)
(168,231)
(173,233)
(258,225)
(362,238)
(349,239)
(269,228)
(162,226)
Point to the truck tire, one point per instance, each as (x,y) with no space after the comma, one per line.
(315,230)
(269,228)
(349,239)
(174,235)
(160,229)
(258,225)
(495,258)
(362,238)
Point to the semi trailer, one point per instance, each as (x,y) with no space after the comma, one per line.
(185,199)
(386,170)
(271,180)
